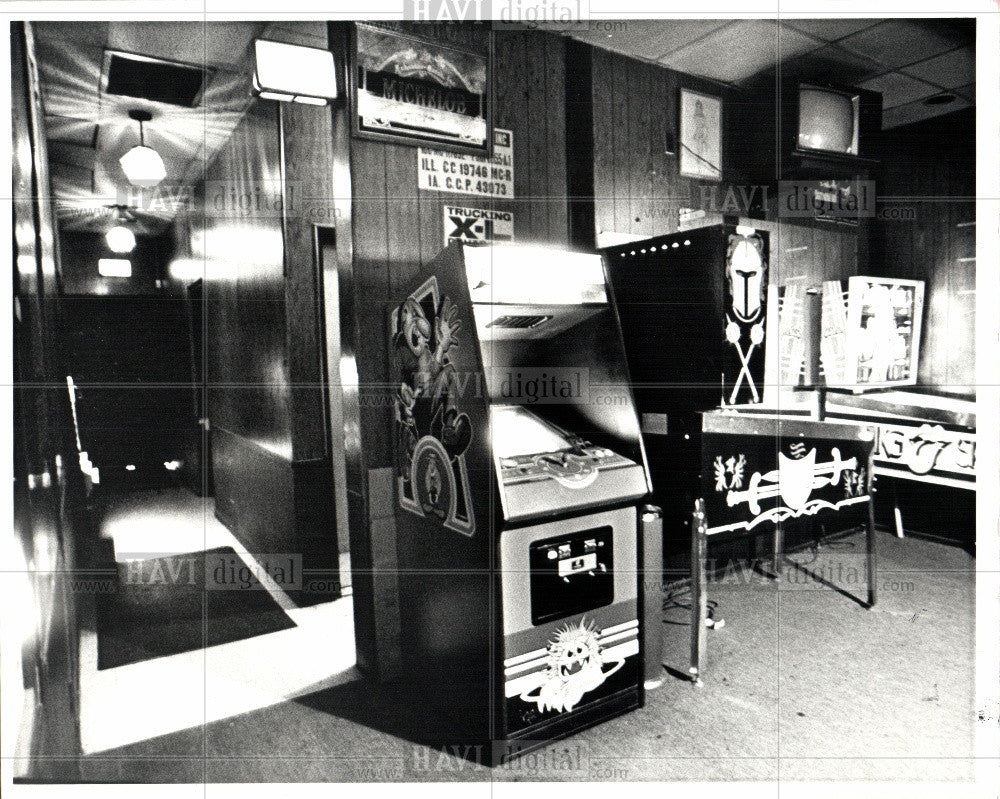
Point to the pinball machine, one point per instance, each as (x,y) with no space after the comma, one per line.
(693,307)
(520,479)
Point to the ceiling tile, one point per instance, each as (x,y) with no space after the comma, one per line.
(72,188)
(917,111)
(738,51)
(968,91)
(832,64)
(185,41)
(792,43)
(899,89)
(307,33)
(72,131)
(72,154)
(651,39)
(956,68)
(94,33)
(896,43)
(69,174)
(70,74)
(830,29)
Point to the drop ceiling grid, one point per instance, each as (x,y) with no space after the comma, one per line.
(906,60)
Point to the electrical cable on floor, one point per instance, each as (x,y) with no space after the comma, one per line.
(670,602)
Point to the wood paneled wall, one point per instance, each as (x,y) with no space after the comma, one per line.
(927,232)
(244,289)
(264,342)
(637,185)
(306,140)
(638,188)
(397,228)
(809,253)
(51,522)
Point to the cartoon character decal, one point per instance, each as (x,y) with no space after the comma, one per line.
(432,433)
(576,664)
(746,284)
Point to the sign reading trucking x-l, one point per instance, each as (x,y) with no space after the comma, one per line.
(477,225)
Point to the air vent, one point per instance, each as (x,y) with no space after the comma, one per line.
(153,79)
(518,322)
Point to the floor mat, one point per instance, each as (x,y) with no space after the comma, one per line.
(161,607)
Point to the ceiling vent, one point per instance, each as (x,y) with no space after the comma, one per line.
(153,79)
(518,322)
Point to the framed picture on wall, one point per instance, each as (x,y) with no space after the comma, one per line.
(414,90)
(700,135)
(883,332)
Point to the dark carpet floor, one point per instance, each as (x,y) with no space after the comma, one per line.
(161,607)
(802,683)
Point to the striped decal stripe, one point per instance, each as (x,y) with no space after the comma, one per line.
(619,627)
(538,658)
(525,657)
(623,635)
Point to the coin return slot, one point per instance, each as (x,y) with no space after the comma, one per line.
(571,574)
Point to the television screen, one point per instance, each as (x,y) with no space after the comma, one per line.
(828,120)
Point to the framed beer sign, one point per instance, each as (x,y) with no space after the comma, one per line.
(414,90)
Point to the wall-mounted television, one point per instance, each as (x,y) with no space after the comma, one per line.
(824,133)
(828,120)
(827,130)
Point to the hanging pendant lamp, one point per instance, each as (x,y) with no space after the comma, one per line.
(142,165)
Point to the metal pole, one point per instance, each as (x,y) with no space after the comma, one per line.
(699,597)
(651,586)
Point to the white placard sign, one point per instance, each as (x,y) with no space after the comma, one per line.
(470,174)
(477,225)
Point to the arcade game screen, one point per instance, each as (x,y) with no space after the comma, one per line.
(518,432)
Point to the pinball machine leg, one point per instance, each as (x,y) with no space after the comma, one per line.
(872,557)
(779,549)
(699,596)
(896,514)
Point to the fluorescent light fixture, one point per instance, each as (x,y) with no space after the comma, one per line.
(120,239)
(281,98)
(287,72)
(114,267)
